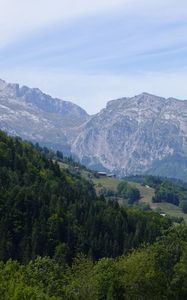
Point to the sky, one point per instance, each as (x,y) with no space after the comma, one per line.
(92,51)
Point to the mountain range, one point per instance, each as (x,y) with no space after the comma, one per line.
(134,135)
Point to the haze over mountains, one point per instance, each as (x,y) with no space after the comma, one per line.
(142,134)
(38,117)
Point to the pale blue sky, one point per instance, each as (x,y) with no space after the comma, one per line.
(92,51)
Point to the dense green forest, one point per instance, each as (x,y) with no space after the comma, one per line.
(157,271)
(47,211)
(58,240)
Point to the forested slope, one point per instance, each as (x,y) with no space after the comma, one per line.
(58,240)
(153,272)
(47,211)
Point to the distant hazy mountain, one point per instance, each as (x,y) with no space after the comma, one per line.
(38,117)
(143,134)
(134,135)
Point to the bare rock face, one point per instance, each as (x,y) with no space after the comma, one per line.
(35,116)
(131,134)
(142,134)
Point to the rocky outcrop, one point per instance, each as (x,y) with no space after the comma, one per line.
(130,134)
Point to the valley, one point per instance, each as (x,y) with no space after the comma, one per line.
(146,192)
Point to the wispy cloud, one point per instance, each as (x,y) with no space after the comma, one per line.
(19,18)
(92,51)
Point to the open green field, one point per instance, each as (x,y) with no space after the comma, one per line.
(170,210)
(108,183)
(63,165)
(146,193)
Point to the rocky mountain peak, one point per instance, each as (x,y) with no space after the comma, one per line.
(41,100)
(11,89)
(3,84)
(36,116)
(132,135)
(144,99)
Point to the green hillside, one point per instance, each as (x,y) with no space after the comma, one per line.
(146,192)
(60,239)
(146,195)
(50,211)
